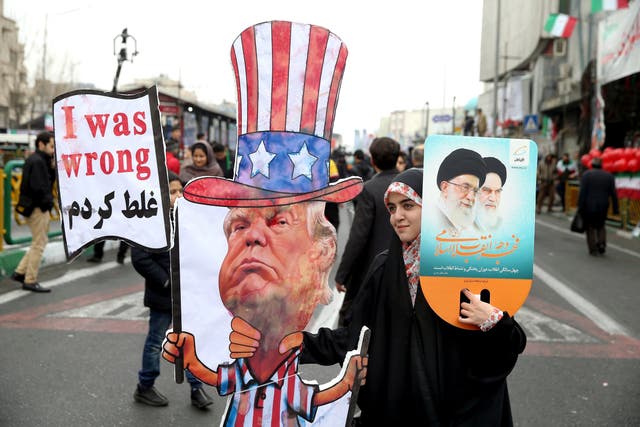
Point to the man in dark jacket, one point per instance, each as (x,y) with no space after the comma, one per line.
(597,186)
(155,268)
(361,166)
(173,143)
(370,231)
(225,159)
(36,200)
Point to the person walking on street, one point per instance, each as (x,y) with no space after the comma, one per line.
(370,231)
(173,144)
(155,268)
(566,169)
(481,123)
(468,124)
(597,187)
(98,252)
(203,163)
(36,200)
(225,159)
(403,162)
(361,166)
(417,156)
(546,177)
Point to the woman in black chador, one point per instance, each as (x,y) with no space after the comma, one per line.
(422,370)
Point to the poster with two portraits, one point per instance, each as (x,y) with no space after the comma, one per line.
(478,222)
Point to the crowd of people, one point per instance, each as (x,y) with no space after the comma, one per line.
(434,361)
(474,126)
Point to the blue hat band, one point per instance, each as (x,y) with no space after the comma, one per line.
(283,161)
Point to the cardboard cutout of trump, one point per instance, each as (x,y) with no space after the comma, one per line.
(252,296)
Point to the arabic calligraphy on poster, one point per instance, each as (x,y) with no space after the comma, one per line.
(483,246)
(111,170)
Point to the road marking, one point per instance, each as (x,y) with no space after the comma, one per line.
(587,309)
(128,307)
(69,276)
(577,235)
(540,327)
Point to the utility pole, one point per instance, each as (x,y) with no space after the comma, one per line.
(496,72)
(453,119)
(426,120)
(41,89)
(122,54)
(506,79)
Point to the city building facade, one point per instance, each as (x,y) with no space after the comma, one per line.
(527,72)
(13,75)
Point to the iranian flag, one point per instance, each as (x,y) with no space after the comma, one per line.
(560,25)
(600,5)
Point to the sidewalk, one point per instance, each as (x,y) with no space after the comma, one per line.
(53,254)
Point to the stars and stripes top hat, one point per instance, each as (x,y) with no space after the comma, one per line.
(288,78)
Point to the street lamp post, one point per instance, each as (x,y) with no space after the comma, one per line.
(453,119)
(122,53)
(426,120)
(496,72)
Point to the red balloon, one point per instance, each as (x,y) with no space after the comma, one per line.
(633,165)
(620,165)
(618,153)
(595,153)
(629,153)
(607,156)
(608,166)
(585,159)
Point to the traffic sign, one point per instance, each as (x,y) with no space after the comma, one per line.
(442,118)
(530,124)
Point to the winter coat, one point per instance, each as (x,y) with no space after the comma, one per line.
(212,168)
(422,370)
(38,176)
(155,268)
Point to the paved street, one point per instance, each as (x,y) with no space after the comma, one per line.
(70,357)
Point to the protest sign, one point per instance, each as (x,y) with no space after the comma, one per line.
(111,170)
(478,223)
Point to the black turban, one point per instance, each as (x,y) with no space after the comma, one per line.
(496,166)
(462,162)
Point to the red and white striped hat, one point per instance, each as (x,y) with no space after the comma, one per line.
(288,78)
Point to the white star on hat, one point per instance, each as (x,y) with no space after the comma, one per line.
(302,162)
(260,160)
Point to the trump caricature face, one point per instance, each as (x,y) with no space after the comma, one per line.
(273,273)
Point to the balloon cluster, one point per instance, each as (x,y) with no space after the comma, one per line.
(614,160)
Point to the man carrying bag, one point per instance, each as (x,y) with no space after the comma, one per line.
(35,202)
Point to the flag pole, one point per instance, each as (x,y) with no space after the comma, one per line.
(176,301)
(495,77)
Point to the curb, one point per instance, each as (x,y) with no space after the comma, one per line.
(53,254)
